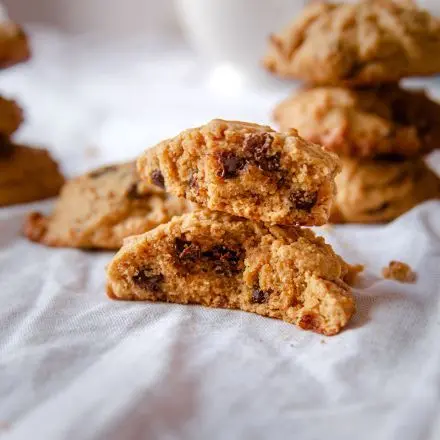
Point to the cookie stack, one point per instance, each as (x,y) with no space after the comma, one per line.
(26,174)
(352,57)
(242,247)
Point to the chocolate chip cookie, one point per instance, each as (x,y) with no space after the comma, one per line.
(26,174)
(380,191)
(247,170)
(364,123)
(217,260)
(14,45)
(369,42)
(101,208)
(11,117)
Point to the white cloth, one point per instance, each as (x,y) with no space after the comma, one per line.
(76,365)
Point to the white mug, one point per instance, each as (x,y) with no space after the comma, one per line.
(235,31)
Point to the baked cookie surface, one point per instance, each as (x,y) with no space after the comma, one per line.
(101,208)
(369,42)
(11,117)
(247,170)
(380,191)
(27,174)
(369,122)
(217,260)
(14,45)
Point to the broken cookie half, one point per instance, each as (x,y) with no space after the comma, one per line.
(217,260)
(248,170)
(101,208)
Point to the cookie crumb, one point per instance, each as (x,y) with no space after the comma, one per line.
(399,271)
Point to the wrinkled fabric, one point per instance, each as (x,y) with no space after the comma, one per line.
(76,365)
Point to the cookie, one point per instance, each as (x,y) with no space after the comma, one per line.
(217,260)
(399,271)
(27,174)
(101,208)
(380,191)
(14,46)
(364,123)
(11,117)
(247,170)
(369,42)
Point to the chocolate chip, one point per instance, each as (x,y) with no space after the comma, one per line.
(157,178)
(229,164)
(186,251)
(225,261)
(103,170)
(256,147)
(148,280)
(390,157)
(6,147)
(260,296)
(303,200)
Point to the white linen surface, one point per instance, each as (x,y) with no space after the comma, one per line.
(76,365)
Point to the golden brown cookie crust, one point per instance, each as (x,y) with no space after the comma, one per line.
(248,170)
(217,260)
(11,116)
(14,45)
(351,44)
(364,123)
(380,191)
(399,271)
(101,208)
(27,174)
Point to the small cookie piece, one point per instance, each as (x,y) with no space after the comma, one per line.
(369,42)
(247,170)
(399,271)
(11,117)
(101,208)
(216,260)
(379,191)
(14,46)
(27,174)
(364,123)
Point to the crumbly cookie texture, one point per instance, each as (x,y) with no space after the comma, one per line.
(369,122)
(101,208)
(14,45)
(26,174)
(399,271)
(247,170)
(217,260)
(369,42)
(379,191)
(11,117)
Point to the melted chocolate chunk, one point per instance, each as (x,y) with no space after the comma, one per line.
(219,258)
(147,280)
(260,296)
(257,150)
(6,146)
(101,171)
(229,164)
(225,260)
(157,178)
(186,251)
(390,157)
(303,200)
